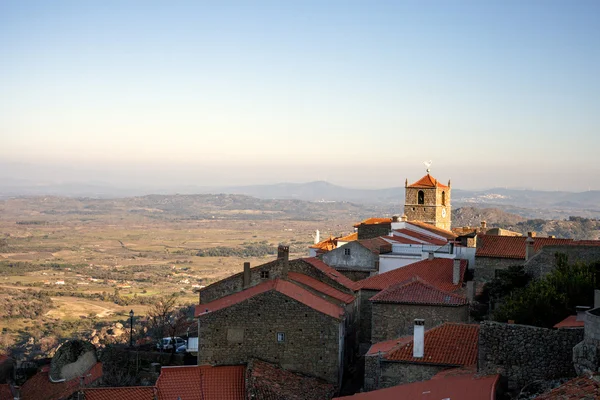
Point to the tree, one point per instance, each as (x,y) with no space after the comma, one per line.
(166,320)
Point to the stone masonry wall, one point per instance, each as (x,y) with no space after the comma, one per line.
(431,210)
(586,355)
(524,353)
(381,374)
(355,275)
(359,257)
(390,321)
(364,330)
(249,329)
(373,231)
(544,262)
(485,267)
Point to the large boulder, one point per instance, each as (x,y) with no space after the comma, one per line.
(73,359)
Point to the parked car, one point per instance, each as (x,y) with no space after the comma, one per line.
(167,343)
(181,349)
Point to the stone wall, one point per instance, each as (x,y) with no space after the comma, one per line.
(524,354)
(431,210)
(355,275)
(545,260)
(485,267)
(373,230)
(365,315)
(586,355)
(234,283)
(390,321)
(360,258)
(249,329)
(380,373)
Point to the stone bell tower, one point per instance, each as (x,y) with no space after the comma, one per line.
(427,200)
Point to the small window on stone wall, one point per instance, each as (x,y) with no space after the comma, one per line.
(347,252)
(264,274)
(280,337)
(421,197)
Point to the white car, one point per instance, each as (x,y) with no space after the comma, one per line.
(167,344)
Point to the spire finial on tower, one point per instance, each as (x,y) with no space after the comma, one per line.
(428,165)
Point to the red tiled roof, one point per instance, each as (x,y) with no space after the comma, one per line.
(459,387)
(513,246)
(570,322)
(376,245)
(434,229)
(437,272)
(348,238)
(39,387)
(421,237)
(584,387)
(321,287)
(401,240)
(5,392)
(417,291)
(447,344)
(121,393)
(202,382)
(269,382)
(286,288)
(427,181)
(327,244)
(331,273)
(373,221)
(387,345)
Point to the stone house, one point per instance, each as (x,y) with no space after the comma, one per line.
(441,273)
(373,227)
(278,321)
(357,259)
(395,308)
(401,361)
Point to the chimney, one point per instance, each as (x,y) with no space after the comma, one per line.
(581,312)
(456,271)
(529,251)
(419,338)
(596,298)
(430,256)
(483,226)
(283,254)
(406,182)
(317,236)
(246,275)
(470,291)
(395,218)
(531,234)
(404,217)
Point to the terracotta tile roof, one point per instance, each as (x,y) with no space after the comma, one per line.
(376,245)
(39,387)
(202,382)
(400,239)
(348,238)
(330,272)
(436,272)
(5,392)
(449,387)
(326,245)
(570,322)
(427,181)
(583,387)
(434,229)
(286,288)
(417,291)
(388,345)
(121,393)
(513,246)
(269,382)
(447,344)
(420,238)
(374,221)
(321,287)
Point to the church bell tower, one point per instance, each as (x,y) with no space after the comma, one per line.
(427,200)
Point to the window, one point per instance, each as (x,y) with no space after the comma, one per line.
(347,252)
(264,274)
(421,197)
(280,337)
(443,198)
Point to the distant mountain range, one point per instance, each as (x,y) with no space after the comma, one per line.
(527,203)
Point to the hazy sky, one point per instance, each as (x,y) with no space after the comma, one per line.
(503,93)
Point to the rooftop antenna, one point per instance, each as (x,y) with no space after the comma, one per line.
(428,165)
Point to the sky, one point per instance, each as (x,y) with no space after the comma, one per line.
(358,93)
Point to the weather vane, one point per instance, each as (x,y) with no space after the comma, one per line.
(428,165)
